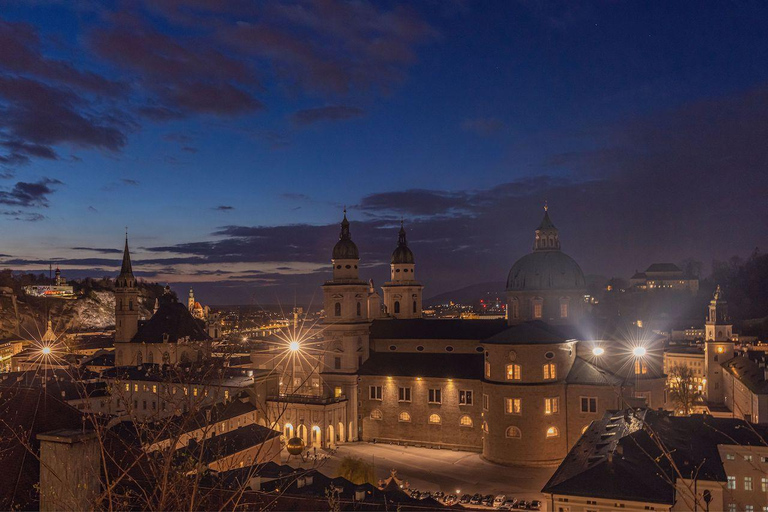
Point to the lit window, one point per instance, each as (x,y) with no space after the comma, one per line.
(537,310)
(764,483)
(487,370)
(640,367)
(435,396)
(404,416)
(513,405)
(337,391)
(732,482)
(194,391)
(127,387)
(136,388)
(465,421)
(403,394)
(154,388)
(563,310)
(513,433)
(553,432)
(376,414)
(747,483)
(486,402)
(513,372)
(434,419)
(550,371)
(465,397)
(551,405)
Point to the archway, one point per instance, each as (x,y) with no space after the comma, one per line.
(288,430)
(317,437)
(301,431)
(330,440)
(340,433)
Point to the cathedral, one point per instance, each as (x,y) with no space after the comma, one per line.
(521,391)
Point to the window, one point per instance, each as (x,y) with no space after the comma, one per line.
(550,371)
(513,433)
(588,404)
(337,309)
(465,421)
(403,394)
(553,432)
(375,392)
(435,396)
(551,405)
(640,367)
(359,309)
(337,363)
(465,397)
(513,372)
(732,482)
(404,416)
(513,405)
(337,391)
(764,483)
(747,483)
(748,458)
(731,507)
(376,414)
(486,402)
(730,456)
(127,387)
(537,309)
(749,508)
(414,306)
(487,370)
(434,419)
(397,306)
(563,310)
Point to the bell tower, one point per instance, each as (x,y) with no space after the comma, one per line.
(402,293)
(547,236)
(126,302)
(718,346)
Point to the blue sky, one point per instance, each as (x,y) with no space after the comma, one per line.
(642,124)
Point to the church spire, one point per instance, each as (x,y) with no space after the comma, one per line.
(345,235)
(401,241)
(126,270)
(547,237)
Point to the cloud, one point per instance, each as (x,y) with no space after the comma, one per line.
(104,250)
(223,208)
(483,126)
(130,182)
(23,216)
(331,113)
(29,195)
(293,196)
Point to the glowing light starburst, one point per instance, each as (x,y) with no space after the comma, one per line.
(639,351)
(598,351)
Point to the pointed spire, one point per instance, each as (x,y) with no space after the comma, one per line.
(345,235)
(547,237)
(718,293)
(126,269)
(401,241)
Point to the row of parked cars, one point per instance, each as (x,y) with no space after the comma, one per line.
(500,502)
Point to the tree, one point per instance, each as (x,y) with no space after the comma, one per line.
(683,389)
(356,470)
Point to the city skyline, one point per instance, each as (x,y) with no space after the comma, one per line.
(229,142)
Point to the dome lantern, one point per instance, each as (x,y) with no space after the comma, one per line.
(402,254)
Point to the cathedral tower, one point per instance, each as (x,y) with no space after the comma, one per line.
(402,293)
(718,346)
(126,301)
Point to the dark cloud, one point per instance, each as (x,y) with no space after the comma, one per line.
(293,196)
(484,126)
(159,113)
(130,182)
(189,149)
(330,113)
(29,194)
(223,208)
(105,250)
(23,216)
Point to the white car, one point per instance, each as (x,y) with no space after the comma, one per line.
(498,500)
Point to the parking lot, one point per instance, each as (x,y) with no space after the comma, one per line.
(452,472)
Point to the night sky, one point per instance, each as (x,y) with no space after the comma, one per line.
(228,139)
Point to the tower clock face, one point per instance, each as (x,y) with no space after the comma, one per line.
(512,355)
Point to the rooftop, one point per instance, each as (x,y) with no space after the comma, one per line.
(440,365)
(436,329)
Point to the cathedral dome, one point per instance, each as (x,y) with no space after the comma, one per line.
(345,248)
(402,254)
(545,270)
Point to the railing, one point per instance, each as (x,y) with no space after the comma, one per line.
(306,399)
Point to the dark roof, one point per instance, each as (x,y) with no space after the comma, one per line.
(583,372)
(529,333)
(228,443)
(435,329)
(107,359)
(639,275)
(546,222)
(663,267)
(617,459)
(685,349)
(749,373)
(402,254)
(175,320)
(546,270)
(189,374)
(27,412)
(406,364)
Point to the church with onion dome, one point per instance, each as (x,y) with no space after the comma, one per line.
(519,390)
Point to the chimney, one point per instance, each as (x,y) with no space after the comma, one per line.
(70,470)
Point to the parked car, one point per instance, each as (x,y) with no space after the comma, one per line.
(535,505)
(415,495)
(476,499)
(522,505)
(425,495)
(465,498)
(450,499)
(508,504)
(487,500)
(438,494)
(498,500)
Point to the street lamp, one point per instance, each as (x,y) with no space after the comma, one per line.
(639,351)
(598,351)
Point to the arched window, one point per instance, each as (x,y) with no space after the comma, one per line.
(414,306)
(359,309)
(513,433)
(553,432)
(376,414)
(538,308)
(397,306)
(465,421)
(139,358)
(150,357)
(404,416)
(563,309)
(485,427)
(550,371)
(337,309)
(514,372)
(434,419)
